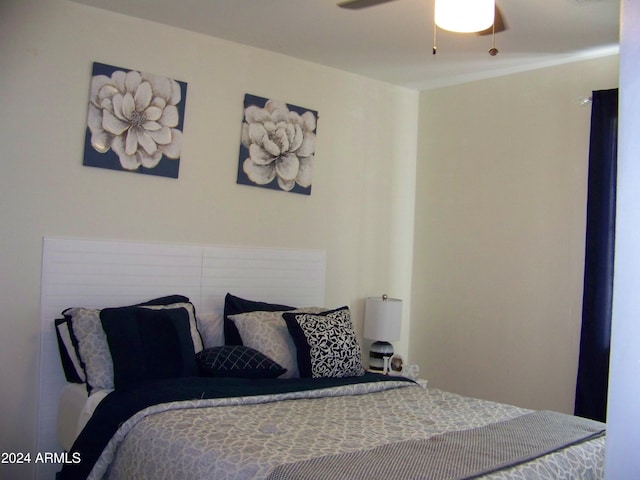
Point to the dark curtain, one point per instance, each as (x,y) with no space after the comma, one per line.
(593,368)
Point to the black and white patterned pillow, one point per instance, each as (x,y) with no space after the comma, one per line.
(237,361)
(326,344)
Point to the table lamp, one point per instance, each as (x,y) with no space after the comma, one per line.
(382,320)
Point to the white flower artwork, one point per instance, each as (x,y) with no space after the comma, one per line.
(134,122)
(278,144)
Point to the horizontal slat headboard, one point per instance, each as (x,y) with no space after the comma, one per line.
(104,273)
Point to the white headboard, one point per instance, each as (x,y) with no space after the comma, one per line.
(101,273)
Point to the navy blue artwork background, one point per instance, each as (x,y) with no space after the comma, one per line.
(165,168)
(244,151)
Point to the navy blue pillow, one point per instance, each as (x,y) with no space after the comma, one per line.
(67,351)
(237,361)
(166,300)
(148,344)
(234,305)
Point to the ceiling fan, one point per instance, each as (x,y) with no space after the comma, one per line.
(499,24)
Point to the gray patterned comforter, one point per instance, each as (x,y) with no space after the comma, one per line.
(246,438)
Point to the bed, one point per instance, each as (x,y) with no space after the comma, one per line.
(232,381)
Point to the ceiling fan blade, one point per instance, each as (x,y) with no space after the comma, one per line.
(358,4)
(499,22)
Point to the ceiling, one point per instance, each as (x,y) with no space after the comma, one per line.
(392,42)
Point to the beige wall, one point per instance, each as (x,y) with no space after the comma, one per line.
(499,233)
(360,210)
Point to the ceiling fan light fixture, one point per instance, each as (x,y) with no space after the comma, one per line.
(464,16)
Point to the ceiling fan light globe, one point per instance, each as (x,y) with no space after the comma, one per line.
(465,16)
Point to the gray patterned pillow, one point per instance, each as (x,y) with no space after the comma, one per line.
(93,348)
(267,332)
(327,345)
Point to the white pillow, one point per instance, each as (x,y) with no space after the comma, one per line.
(211,327)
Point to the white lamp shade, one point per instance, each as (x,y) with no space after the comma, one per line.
(382,319)
(465,15)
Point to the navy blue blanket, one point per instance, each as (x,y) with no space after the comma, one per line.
(123,403)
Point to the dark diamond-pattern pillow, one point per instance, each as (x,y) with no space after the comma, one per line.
(237,361)
(326,344)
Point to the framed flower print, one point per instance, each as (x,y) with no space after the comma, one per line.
(278,143)
(135,121)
